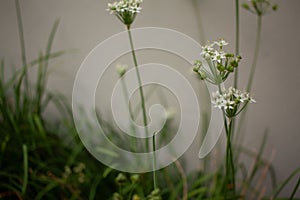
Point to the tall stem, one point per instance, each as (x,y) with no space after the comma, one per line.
(229,184)
(126,95)
(22,41)
(237,39)
(154,163)
(252,72)
(140,87)
(256,51)
(230,170)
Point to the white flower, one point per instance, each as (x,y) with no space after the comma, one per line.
(218,56)
(125,10)
(230,99)
(221,43)
(207,51)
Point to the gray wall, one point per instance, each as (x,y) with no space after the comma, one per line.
(85,23)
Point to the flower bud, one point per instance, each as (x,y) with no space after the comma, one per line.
(246,6)
(220,67)
(117,196)
(121,69)
(230,68)
(275,7)
(155,192)
(121,179)
(136,197)
(134,178)
(202,75)
(234,63)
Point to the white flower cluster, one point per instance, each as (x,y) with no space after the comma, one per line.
(230,99)
(208,51)
(131,6)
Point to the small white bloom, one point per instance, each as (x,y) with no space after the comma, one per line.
(207,51)
(218,56)
(230,99)
(221,43)
(125,10)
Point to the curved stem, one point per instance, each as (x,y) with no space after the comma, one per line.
(256,51)
(140,86)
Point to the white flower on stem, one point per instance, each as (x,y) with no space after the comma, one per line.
(207,51)
(218,56)
(231,99)
(125,10)
(221,43)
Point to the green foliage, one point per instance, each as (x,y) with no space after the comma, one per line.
(35,163)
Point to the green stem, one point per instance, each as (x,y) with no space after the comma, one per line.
(251,76)
(256,51)
(199,21)
(25,160)
(154,163)
(295,189)
(126,95)
(140,86)
(230,170)
(22,41)
(229,165)
(237,39)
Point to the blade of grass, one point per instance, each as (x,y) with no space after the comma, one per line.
(22,40)
(258,157)
(25,163)
(39,84)
(295,189)
(184,180)
(48,188)
(50,42)
(282,185)
(94,186)
(20,72)
(263,162)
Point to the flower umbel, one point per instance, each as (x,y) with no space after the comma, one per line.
(125,10)
(233,101)
(259,7)
(220,63)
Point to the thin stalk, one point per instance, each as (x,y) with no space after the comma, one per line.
(230,171)
(140,86)
(252,72)
(285,182)
(237,45)
(256,51)
(126,95)
(199,21)
(229,166)
(295,189)
(155,185)
(22,41)
(184,180)
(25,160)
(237,39)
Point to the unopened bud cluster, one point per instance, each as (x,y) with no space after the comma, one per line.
(259,7)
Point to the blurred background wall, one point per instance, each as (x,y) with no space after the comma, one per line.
(85,23)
